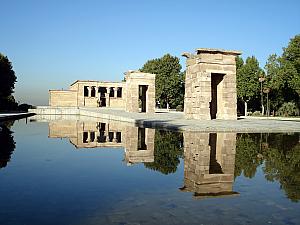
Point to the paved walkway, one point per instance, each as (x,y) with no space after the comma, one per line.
(9,116)
(173,120)
(176,121)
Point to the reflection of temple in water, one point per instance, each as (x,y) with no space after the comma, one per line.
(138,142)
(209,161)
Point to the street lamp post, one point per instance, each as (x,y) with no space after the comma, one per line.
(266,91)
(261,79)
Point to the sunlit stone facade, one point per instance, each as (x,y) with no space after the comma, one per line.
(136,94)
(210,85)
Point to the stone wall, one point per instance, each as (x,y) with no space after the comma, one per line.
(210,85)
(63,98)
(87,94)
(117,103)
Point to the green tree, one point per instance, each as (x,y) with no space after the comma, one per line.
(7,83)
(292,53)
(239,62)
(169,81)
(167,151)
(248,87)
(274,81)
(283,75)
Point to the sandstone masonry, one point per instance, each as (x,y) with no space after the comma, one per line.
(136,94)
(210,84)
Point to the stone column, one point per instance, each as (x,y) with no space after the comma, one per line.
(89,136)
(115,91)
(89,91)
(97,134)
(98,94)
(107,132)
(115,137)
(107,137)
(107,96)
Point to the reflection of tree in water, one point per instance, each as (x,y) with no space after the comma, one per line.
(281,156)
(168,148)
(7,144)
(282,163)
(247,152)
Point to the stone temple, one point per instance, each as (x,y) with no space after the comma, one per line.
(136,94)
(210,84)
(210,89)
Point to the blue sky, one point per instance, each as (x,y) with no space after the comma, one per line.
(53,43)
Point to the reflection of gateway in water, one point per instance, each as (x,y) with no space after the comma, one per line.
(209,164)
(209,159)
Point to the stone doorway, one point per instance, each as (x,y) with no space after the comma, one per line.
(216,91)
(102,97)
(143,97)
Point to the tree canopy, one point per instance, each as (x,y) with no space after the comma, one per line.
(169,81)
(248,86)
(281,84)
(7,82)
(283,75)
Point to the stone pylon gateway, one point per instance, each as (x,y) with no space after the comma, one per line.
(210,84)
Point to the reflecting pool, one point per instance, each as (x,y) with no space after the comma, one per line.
(85,171)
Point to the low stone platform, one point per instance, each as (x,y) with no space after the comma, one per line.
(175,120)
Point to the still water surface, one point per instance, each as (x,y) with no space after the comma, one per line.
(85,172)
